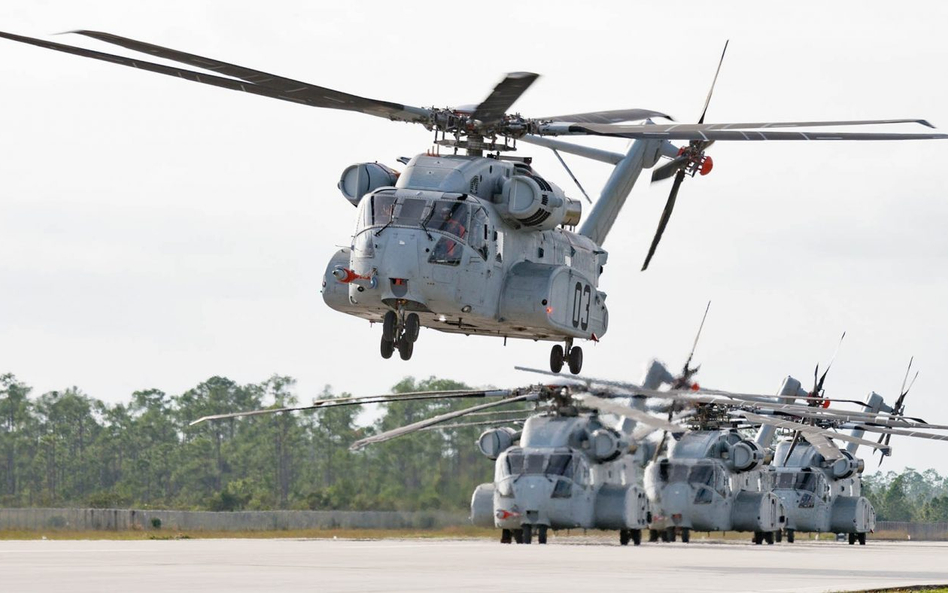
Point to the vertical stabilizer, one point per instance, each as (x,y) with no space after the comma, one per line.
(642,154)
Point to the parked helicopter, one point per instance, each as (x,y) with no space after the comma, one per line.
(475,244)
(821,485)
(565,469)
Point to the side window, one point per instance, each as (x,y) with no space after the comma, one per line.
(499,240)
(383,205)
(447,251)
(478,236)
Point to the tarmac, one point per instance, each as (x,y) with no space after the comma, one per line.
(461,565)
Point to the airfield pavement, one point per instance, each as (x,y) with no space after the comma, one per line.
(452,565)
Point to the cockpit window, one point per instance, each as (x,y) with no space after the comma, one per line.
(381,210)
(514,465)
(807,481)
(410,212)
(450,217)
(560,465)
(672,472)
(702,475)
(534,463)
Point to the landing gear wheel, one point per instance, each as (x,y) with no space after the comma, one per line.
(575,360)
(624,537)
(541,534)
(389,326)
(685,535)
(505,536)
(387,348)
(517,535)
(790,536)
(779,535)
(636,537)
(652,535)
(664,535)
(412,327)
(405,348)
(862,538)
(769,538)
(852,539)
(758,538)
(527,533)
(556,358)
(670,534)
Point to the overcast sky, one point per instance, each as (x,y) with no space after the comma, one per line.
(156,232)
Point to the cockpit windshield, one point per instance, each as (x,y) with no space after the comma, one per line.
(808,481)
(450,217)
(446,216)
(672,472)
(553,464)
(701,475)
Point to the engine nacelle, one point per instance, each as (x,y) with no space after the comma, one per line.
(746,456)
(846,466)
(529,201)
(495,441)
(362,178)
(482,506)
(605,444)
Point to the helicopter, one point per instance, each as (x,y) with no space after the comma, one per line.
(566,468)
(480,243)
(714,478)
(821,484)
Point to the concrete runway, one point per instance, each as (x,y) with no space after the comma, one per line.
(443,565)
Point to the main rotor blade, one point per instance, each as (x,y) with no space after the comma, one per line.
(888,432)
(254,81)
(507,91)
(587,381)
(708,134)
(808,430)
(479,423)
(713,82)
(358,401)
(607,117)
(409,428)
(611,407)
(666,214)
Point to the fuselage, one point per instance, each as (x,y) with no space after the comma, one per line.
(446,242)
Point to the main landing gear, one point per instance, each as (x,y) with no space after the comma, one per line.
(399,332)
(572,355)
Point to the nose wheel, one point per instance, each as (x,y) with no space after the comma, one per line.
(571,355)
(399,332)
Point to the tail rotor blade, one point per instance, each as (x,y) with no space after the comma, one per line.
(669,168)
(666,214)
(698,335)
(819,385)
(713,82)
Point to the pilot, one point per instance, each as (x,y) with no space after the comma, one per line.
(446,248)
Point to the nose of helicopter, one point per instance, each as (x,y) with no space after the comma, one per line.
(532,494)
(398,257)
(676,500)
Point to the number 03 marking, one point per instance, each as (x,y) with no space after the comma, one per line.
(582,295)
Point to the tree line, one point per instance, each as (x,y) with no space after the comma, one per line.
(908,496)
(66,448)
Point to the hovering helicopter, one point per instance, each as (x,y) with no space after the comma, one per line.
(481,243)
